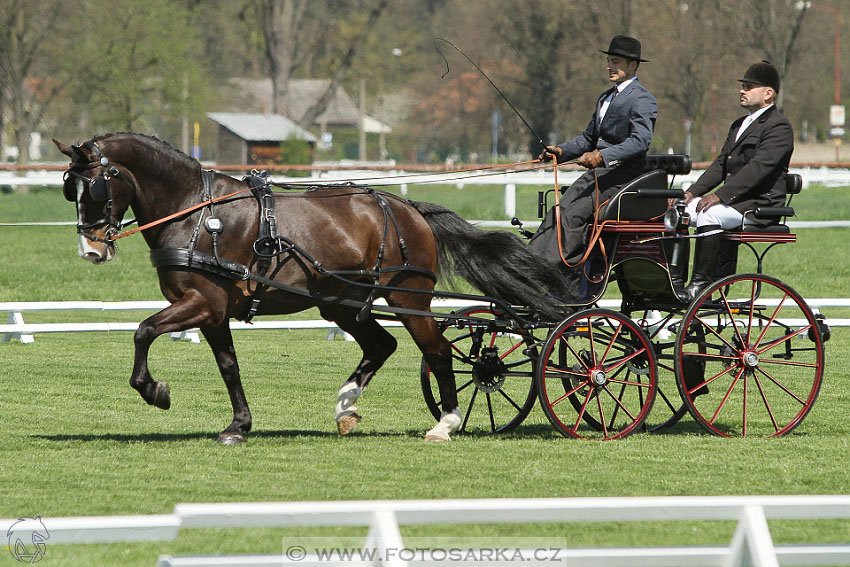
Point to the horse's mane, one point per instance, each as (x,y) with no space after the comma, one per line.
(155,144)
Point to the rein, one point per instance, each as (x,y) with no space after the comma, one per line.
(173,216)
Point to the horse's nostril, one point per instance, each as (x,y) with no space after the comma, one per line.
(95,257)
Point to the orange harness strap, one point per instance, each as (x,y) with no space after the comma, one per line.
(177,214)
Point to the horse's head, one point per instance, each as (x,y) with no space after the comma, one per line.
(102,191)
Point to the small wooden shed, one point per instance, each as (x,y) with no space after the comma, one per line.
(248,139)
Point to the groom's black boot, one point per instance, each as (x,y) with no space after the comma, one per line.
(677,254)
(706,251)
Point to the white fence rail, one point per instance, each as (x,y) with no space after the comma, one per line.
(831,177)
(751,543)
(18,329)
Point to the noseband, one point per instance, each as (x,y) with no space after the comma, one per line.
(100,192)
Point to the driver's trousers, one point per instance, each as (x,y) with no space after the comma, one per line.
(578,205)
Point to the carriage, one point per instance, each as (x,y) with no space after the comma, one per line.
(745,357)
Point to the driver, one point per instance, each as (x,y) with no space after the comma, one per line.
(612,147)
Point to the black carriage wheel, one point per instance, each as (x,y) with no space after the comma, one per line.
(493,372)
(596,377)
(763,355)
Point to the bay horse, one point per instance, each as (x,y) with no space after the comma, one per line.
(327,231)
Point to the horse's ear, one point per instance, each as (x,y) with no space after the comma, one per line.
(64,148)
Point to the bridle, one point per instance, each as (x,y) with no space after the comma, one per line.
(100,192)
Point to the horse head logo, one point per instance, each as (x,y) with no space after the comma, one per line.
(33,530)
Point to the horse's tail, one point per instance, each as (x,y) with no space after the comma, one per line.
(496,262)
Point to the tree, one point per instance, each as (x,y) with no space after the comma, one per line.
(291,40)
(147,83)
(25,51)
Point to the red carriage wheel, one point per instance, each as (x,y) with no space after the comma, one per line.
(494,373)
(762,351)
(597,375)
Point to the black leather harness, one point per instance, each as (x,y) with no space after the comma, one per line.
(270,246)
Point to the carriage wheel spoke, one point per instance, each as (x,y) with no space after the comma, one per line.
(619,403)
(575,354)
(744,408)
(592,341)
(713,332)
(712,379)
(782,386)
(490,411)
(469,408)
(510,350)
(726,397)
(509,399)
(601,416)
(782,340)
(771,320)
(611,342)
(731,316)
(583,409)
(752,311)
(766,403)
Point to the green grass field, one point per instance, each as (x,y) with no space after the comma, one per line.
(79,441)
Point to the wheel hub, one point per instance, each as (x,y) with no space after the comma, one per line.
(488,371)
(750,359)
(598,377)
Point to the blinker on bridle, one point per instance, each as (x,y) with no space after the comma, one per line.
(100,192)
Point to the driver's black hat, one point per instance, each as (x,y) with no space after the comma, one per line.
(625,46)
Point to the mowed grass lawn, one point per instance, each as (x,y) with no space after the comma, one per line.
(79,441)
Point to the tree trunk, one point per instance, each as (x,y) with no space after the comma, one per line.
(314,111)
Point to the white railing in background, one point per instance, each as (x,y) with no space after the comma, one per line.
(751,544)
(831,177)
(18,329)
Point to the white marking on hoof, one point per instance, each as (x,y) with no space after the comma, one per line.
(345,412)
(449,423)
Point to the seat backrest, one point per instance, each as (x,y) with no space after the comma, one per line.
(793,183)
(673,164)
(626,205)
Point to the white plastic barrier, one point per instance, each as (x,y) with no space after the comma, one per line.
(751,543)
(17,328)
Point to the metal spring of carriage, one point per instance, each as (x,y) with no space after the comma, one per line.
(744,358)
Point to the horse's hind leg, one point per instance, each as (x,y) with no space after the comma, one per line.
(221,343)
(437,354)
(377,345)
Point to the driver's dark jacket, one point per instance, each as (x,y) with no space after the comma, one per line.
(753,169)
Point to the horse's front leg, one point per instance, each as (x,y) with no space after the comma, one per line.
(221,343)
(190,311)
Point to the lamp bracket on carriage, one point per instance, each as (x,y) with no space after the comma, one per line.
(676,219)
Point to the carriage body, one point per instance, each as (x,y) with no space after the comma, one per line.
(745,357)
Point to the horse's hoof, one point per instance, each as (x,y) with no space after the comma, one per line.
(347,423)
(436,438)
(230,439)
(162,396)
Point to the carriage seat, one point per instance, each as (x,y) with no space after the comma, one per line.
(645,197)
(777,215)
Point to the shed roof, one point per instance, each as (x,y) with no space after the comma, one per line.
(261,127)
(302,94)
